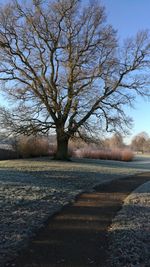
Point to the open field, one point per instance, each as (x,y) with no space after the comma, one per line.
(32,190)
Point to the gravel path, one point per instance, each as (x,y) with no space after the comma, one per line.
(130,231)
(32,190)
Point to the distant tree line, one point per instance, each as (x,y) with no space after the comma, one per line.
(113,147)
(139,143)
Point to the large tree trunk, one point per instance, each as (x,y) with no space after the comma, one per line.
(62,146)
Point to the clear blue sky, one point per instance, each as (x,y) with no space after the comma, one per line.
(128,17)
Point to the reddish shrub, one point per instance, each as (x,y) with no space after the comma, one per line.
(127,155)
(121,155)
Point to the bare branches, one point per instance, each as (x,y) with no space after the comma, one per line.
(24,123)
(64,60)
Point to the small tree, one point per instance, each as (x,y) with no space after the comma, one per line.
(61,63)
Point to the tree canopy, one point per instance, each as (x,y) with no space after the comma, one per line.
(61,63)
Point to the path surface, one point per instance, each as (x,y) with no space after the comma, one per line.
(77,236)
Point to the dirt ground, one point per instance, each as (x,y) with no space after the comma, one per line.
(77,236)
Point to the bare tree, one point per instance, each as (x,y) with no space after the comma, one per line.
(61,63)
(141,142)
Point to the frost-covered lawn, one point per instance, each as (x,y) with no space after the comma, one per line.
(32,190)
(130,231)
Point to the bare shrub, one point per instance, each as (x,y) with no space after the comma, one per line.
(32,147)
(38,146)
(7,154)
